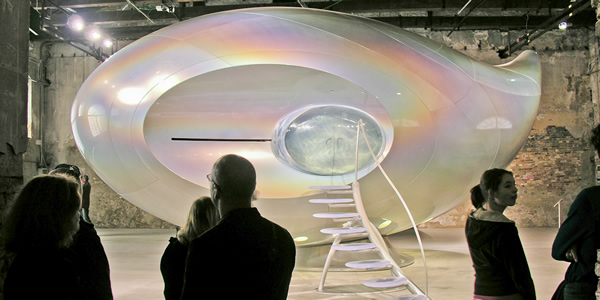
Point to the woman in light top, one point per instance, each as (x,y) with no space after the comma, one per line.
(501,270)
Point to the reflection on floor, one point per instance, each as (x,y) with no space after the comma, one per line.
(134,256)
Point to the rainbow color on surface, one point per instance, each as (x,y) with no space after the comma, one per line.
(228,80)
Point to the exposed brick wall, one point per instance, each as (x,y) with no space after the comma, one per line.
(556,161)
(551,166)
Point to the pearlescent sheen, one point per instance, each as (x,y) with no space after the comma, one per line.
(153,118)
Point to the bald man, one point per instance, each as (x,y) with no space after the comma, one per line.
(245,256)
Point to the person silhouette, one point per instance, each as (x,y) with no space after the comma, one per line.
(87,249)
(202,216)
(38,230)
(244,256)
(577,240)
(501,269)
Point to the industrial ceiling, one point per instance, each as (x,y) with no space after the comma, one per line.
(131,19)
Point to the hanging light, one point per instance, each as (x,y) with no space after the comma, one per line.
(75,22)
(563,25)
(93,33)
(96,35)
(107,42)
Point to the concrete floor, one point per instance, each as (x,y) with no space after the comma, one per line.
(134,256)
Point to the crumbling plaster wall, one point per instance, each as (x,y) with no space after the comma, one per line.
(554,164)
(66,69)
(13,97)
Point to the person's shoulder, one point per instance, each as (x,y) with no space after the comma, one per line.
(175,248)
(212,234)
(175,243)
(86,231)
(586,195)
(508,231)
(591,191)
(279,227)
(283,233)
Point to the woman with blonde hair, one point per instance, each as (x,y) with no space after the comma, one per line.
(38,229)
(202,216)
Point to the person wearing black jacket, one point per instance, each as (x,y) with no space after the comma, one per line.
(86,251)
(577,240)
(202,216)
(501,269)
(38,231)
(86,189)
(244,256)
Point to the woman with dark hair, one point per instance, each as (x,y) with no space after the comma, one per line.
(38,229)
(501,270)
(202,216)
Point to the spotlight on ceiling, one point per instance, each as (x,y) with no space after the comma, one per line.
(93,33)
(107,42)
(563,25)
(76,23)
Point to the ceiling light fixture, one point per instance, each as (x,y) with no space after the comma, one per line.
(75,22)
(563,25)
(107,43)
(93,33)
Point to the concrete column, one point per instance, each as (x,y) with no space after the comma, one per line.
(14,46)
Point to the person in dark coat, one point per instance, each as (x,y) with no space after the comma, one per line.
(245,256)
(202,216)
(38,230)
(577,240)
(87,251)
(86,189)
(501,269)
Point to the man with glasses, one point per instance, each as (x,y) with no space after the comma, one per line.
(245,256)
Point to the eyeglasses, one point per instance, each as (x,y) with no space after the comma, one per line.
(209,177)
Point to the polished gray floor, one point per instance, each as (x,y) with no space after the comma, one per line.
(134,256)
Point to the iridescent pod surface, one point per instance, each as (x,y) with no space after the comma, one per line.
(285,87)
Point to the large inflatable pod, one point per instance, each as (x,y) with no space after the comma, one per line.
(285,88)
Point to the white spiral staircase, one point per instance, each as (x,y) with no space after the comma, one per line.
(355,226)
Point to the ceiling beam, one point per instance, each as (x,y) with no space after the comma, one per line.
(345,6)
(131,15)
(429,14)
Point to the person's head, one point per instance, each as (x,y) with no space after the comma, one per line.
(202,217)
(85,178)
(44,215)
(595,139)
(69,170)
(496,187)
(233,180)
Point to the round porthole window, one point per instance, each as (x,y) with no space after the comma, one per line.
(322,140)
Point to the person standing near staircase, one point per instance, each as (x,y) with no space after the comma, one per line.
(244,256)
(501,269)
